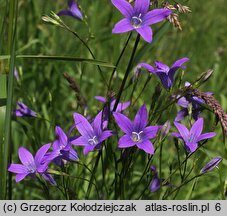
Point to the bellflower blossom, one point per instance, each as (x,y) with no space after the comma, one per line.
(155,183)
(211,164)
(185,101)
(138,18)
(165,73)
(62,149)
(32,165)
(23,110)
(137,133)
(73,10)
(192,137)
(92,135)
(120,108)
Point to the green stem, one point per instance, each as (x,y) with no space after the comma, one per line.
(127,72)
(7,128)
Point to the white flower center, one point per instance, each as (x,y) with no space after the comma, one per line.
(93,141)
(137,137)
(31,168)
(136,21)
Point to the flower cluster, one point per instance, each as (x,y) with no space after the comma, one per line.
(136,133)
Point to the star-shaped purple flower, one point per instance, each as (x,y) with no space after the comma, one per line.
(92,135)
(165,73)
(192,137)
(137,133)
(138,18)
(23,110)
(62,149)
(73,10)
(31,166)
(185,101)
(120,108)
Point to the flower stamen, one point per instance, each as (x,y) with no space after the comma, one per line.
(93,141)
(137,137)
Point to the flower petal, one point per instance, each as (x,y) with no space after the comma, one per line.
(165,79)
(197,128)
(122,26)
(122,106)
(48,177)
(146,33)
(20,176)
(147,146)
(141,118)
(61,136)
(97,124)
(176,135)
(155,184)
(17,168)
(141,6)
(181,114)
(40,154)
(100,98)
(65,13)
(73,7)
(179,62)
(72,155)
(206,136)
(25,156)
(191,146)
(183,130)
(80,141)
(83,126)
(183,102)
(123,122)
(160,66)
(105,135)
(124,7)
(156,15)
(148,67)
(88,148)
(150,132)
(177,65)
(125,142)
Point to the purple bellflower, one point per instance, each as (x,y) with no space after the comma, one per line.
(195,102)
(138,18)
(155,183)
(31,166)
(92,135)
(73,10)
(23,110)
(120,108)
(62,149)
(165,73)
(192,137)
(211,164)
(137,133)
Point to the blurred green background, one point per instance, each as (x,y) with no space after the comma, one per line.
(43,88)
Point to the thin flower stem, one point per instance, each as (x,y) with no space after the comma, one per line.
(126,73)
(184,183)
(182,163)
(118,61)
(144,172)
(145,85)
(88,48)
(93,174)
